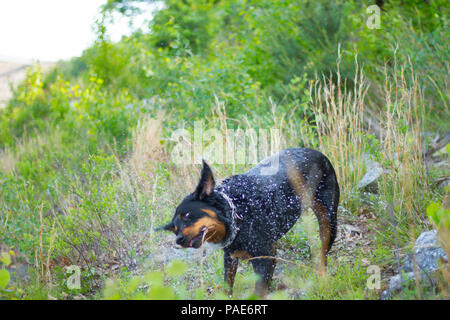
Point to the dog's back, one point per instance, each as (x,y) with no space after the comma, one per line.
(275,192)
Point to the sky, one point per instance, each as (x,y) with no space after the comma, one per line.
(50,30)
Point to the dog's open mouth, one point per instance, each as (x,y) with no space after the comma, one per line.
(197,241)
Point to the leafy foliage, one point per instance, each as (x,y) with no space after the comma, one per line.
(68,194)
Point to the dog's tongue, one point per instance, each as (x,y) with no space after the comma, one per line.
(190,243)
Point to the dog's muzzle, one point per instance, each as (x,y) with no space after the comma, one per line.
(195,242)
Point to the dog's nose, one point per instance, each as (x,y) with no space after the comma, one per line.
(180,239)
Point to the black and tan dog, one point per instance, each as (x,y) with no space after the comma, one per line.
(248,213)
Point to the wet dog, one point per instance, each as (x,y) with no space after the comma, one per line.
(248,213)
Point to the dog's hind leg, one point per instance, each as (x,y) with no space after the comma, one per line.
(325,205)
(310,197)
(325,230)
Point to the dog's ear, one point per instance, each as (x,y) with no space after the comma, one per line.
(169,227)
(206,185)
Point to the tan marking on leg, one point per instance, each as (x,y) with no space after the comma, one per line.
(325,232)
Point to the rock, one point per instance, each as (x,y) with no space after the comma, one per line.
(407,265)
(385,295)
(439,145)
(441,153)
(443,183)
(428,252)
(397,282)
(369,182)
(404,280)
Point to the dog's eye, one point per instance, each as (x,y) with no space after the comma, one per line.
(186,216)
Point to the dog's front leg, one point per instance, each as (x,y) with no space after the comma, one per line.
(263,267)
(230,265)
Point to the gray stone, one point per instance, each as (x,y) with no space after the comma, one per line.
(444,184)
(385,295)
(404,280)
(370,180)
(399,281)
(407,265)
(374,171)
(427,252)
(443,153)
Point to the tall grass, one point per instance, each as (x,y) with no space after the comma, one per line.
(339,119)
(404,185)
(344,136)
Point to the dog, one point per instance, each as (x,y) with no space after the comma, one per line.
(248,213)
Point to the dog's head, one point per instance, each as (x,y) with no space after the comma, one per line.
(198,218)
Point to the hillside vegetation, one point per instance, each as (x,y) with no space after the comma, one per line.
(88,151)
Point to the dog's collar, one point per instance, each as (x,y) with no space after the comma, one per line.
(234,215)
